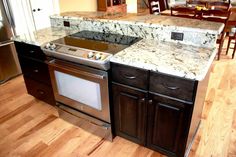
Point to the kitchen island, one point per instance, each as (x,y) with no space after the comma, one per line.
(158,83)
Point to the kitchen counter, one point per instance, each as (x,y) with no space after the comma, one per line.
(145,20)
(176,59)
(152,27)
(44,35)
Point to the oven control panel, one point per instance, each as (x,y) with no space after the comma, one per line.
(77,52)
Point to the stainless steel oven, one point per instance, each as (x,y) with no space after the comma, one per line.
(81,88)
(79,75)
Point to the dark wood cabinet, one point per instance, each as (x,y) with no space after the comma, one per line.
(175,87)
(35,71)
(160,111)
(39,90)
(102,5)
(130,76)
(167,121)
(112,6)
(130,113)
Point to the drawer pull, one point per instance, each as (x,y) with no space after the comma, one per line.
(41,92)
(36,70)
(170,87)
(143,100)
(150,101)
(129,77)
(31,51)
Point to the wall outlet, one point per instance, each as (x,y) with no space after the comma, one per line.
(177,36)
(66,23)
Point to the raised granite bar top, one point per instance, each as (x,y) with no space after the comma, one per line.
(176,59)
(42,36)
(147,20)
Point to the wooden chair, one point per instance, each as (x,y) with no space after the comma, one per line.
(156,6)
(222,36)
(215,15)
(218,5)
(197,3)
(186,12)
(232,34)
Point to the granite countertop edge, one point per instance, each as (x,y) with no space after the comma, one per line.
(136,22)
(168,70)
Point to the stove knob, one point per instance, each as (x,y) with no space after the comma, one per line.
(47,46)
(90,54)
(98,56)
(52,46)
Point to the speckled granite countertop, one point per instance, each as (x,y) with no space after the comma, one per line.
(44,35)
(171,58)
(167,57)
(148,20)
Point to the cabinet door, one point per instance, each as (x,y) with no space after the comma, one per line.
(41,11)
(129,113)
(168,125)
(102,5)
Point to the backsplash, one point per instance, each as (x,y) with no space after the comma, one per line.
(192,36)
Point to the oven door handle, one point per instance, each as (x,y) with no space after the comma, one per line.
(52,63)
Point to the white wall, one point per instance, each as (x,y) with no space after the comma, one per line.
(90,5)
(78,5)
(131,6)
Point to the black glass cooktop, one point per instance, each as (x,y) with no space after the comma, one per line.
(105,42)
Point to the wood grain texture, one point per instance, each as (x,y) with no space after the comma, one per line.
(30,127)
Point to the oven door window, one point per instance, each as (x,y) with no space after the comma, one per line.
(78,89)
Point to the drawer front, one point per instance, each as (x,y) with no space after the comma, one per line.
(172,86)
(39,90)
(34,69)
(130,76)
(30,50)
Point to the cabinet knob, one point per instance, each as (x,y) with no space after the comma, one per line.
(150,101)
(170,87)
(31,51)
(41,92)
(143,100)
(39,9)
(36,70)
(34,10)
(129,76)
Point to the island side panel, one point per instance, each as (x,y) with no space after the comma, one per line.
(198,107)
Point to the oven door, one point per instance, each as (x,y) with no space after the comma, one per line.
(80,87)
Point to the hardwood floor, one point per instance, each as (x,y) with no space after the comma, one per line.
(31,128)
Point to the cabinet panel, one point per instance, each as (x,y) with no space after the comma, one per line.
(130,76)
(40,90)
(172,86)
(35,69)
(102,5)
(29,51)
(168,125)
(130,113)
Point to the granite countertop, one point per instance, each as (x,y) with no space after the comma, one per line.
(170,58)
(167,57)
(42,36)
(146,19)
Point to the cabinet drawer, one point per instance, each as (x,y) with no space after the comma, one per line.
(35,69)
(130,76)
(30,50)
(39,90)
(172,86)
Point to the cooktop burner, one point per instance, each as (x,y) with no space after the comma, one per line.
(110,43)
(89,48)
